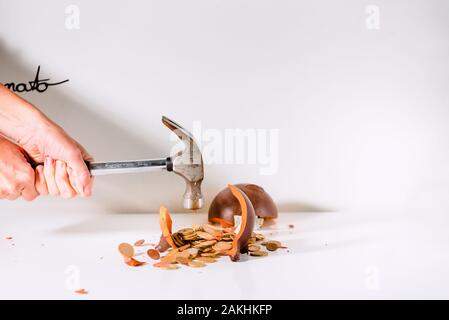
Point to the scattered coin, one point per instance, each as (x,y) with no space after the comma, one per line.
(164,265)
(209,254)
(126,250)
(133,262)
(205,259)
(198,246)
(169,258)
(81,291)
(183,260)
(259,253)
(272,245)
(196,264)
(154,254)
(139,243)
(259,237)
(253,248)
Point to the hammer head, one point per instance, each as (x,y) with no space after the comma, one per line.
(188,164)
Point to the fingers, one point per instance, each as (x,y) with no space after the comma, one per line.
(40,183)
(50,176)
(55,178)
(62,180)
(80,173)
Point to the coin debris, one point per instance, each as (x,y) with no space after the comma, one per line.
(195,247)
(258,253)
(81,291)
(139,243)
(126,250)
(273,245)
(154,254)
(253,248)
(196,264)
(133,262)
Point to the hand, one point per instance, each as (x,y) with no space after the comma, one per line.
(63,159)
(41,139)
(17,177)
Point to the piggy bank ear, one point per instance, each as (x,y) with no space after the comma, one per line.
(240,242)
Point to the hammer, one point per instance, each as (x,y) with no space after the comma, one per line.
(187,163)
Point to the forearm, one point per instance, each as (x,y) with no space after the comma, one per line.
(17,116)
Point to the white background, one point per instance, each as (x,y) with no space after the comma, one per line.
(362,114)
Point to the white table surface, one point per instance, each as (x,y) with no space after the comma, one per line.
(331,255)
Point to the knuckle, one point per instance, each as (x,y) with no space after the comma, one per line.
(73,153)
(30,198)
(14,188)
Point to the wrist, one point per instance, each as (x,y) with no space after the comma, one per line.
(19,118)
(31,123)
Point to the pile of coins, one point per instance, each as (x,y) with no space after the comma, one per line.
(198,246)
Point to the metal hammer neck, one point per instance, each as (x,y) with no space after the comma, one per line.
(118,167)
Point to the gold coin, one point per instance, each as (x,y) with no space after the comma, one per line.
(205,235)
(252,240)
(190,237)
(184,254)
(259,253)
(193,252)
(172,251)
(166,266)
(196,264)
(184,247)
(222,246)
(205,244)
(254,248)
(273,245)
(206,259)
(178,239)
(186,231)
(210,229)
(209,254)
(126,250)
(172,267)
(183,260)
(259,237)
(171,258)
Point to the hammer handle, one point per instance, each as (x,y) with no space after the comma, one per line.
(133,166)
